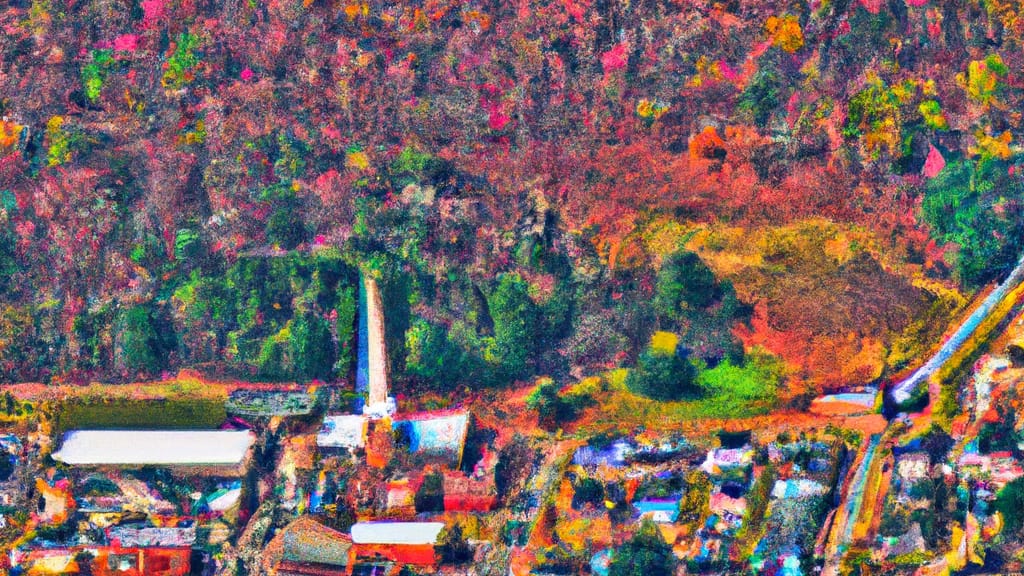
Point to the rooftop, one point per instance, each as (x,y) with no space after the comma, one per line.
(342,431)
(154,447)
(409,533)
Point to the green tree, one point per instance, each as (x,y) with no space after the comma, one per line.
(144,348)
(453,547)
(645,554)
(694,507)
(587,491)
(1010,503)
(312,348)
(663,376)
(978,207)
(345,328)
(552,409)
(685,282)
(430,354)
(286,228)
(516,324)
(430,496)
(689,299)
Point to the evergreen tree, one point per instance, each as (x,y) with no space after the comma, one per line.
(312,348)
(645,554)
(516,324)
(663,376)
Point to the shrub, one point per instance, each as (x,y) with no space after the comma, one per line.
(430,496)
(587,491)
(1010,503)
(453,547)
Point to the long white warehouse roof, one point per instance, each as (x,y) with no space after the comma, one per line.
(155,447)
(383,532)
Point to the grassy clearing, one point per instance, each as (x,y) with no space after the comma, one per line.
(731,392)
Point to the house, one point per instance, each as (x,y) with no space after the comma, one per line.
(400,542)
(730,509)
(128,536)
(846,403)
(55,501)
(795,488)
(720,460)
(401,499)
(999,467)
(613,455)
(212,452)
(462,494)
(440,434)
(660,510)
(912,466)
(342,431)
(251,402)
(312,549)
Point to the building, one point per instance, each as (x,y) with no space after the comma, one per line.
(129,536)
(312,549)
(105,560)
(462,494)
(342,431)
(796,488)
(437,434)
(214,452)
(659,510)
(400,542)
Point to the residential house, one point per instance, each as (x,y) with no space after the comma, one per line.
(312,549)
(438,434)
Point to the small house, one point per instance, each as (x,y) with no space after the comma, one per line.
(342,431)
(436,434)
(660,510)
(312,549)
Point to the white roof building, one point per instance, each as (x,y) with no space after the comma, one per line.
(342,431)
(408,533)
(155,447)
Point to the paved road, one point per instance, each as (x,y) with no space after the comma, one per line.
(850,509)
(906,389)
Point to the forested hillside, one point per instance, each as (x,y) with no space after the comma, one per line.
(540,186)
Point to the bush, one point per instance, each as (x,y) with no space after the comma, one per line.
(6,466)
(587,491)
(1010,503)
(430,496)
(552,408)
(453,547)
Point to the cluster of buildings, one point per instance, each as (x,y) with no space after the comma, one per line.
(177,502)
(711,505)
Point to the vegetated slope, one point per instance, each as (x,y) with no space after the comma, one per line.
(507,169)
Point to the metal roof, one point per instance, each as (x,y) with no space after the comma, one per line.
(155,447)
